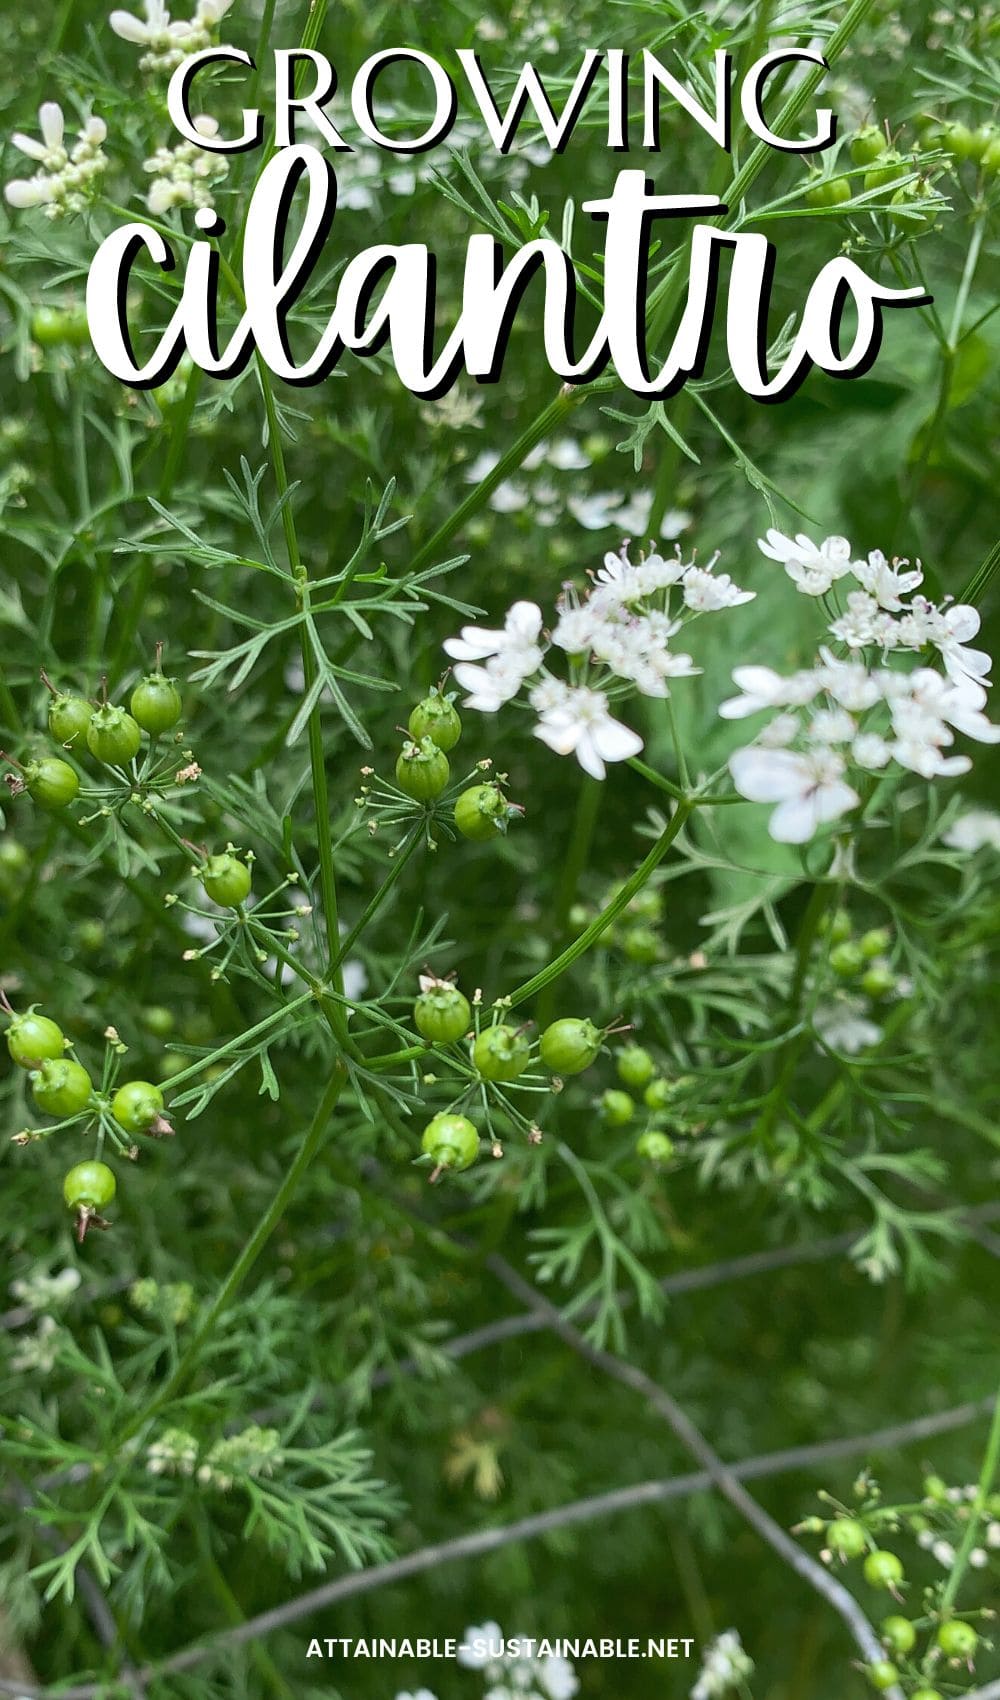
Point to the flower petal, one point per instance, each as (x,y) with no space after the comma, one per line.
(613,741)
(129,28)
(769,776)
(589,756)
(28,192)
(50,119)
(28,145)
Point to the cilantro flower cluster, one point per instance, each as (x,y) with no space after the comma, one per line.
(725,1667)
(617,635)
(854,714)
(168,42)
(526,1677)
(254,1452)
(67,171)
(183,176)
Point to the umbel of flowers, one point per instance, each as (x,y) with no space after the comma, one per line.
(65,172)
(168,41)
(869,702)
(615,639)
(868,708)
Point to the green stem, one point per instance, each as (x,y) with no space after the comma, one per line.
(968,273)
(987,1477)
(233,1044)
(541,427)
(587,810)
(612,910)
(656,779)
(379,897)
(230,1604)
(788,1055)
(8,707)
(248,1256)
(317,763)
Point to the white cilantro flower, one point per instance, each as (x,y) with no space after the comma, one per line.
(886,581)
(832,726)
(976,829)
(183,176)
(580,724)
(809,788)
(812,567)
(557,1677)
(762,687)
(482,1648)
(511,655)
(860,625)
(706,592)
(845,1026)
(724,1666)
(168,42)
(870,750)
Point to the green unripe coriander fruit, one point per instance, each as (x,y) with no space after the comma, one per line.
(14,865)
(422,770)
(482,812)
(846,959)
(926,1694)
(883,1569)
(883,1674)
(983,137)
(878,980)
(69,719)
(635,1066)
(34,1039)
(89,1186)
(914,220)
(156,704)
(51,782)
(157,1020)
(226,879)
(90,935)
(658,1094)
(889,168)
(836,926)
(846,1537)
(656,1147)
(436,718)
(876,942)
(961,142)
(569,1045)
(61,1087)
(899,1634)
(828,192)
(55,327)
(441,1013)
(957,1640)
(991,157)
(451,1141)
(113,736)
(138,1107)
(641,944)
(935,1488)
(868,144)
(617,1108)
(501,1053)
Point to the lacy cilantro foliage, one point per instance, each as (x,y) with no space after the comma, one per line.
(442,1180)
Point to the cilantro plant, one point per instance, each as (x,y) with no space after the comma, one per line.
(497,932)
